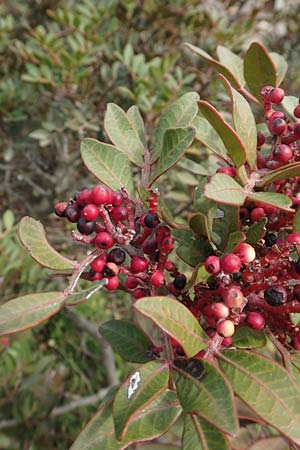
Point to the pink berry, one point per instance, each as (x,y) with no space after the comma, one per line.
(297,112)
(157,279)
(261,139)
(167,245)
(233,297)
(112,283)
(139,263)
(257,214)
(84,197)
(111,270)
(276,115)
(294,238)
(265,93)
(100,194)
(131,282)
(225,328)
(104,240)
(119,214)
(90,212)
(60,209)
(277,126)
(117,198)
(283,153)
(98,264)
(227,341)
(297,130)
(276,95)
(255,320)
(219,310)
(231,263)
(213,265)
(245,252)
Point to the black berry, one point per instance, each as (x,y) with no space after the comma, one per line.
(270,239)
(151,220)
(117,256)
(275,295)
(179,282)
(86,227)
(72,213)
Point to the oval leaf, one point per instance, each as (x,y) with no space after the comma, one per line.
(127,339)
(281,201)
(246,337)
(28,311)
(265,70)
(123,134)
(137,123)
(224,189)
(289,171)
(176,320)
(199,224)
(203,390)
(230,138)
(33,237)
(140,389)
(178,114)
(256,231)
(266,387)
(198,434)
(233,62)
(108,164)
(289,103)
(176,141)
(281,66)
(207,135)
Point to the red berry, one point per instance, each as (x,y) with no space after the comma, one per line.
(283,153)
(265,93)
(90,212)
(157,279)
(139,263)
(277,126)
(225,328)
(257,214)
(230,171)
(112,283)
(119,214)
(167,245)
(227,341)
(231,263)
(131,282)
(117,198)
(233,297)
(213,265)
(276,115)
(261,139)
(98,264)
(293,238)
(272,164)
(297,112)
(95,276)
(139,293)
(149,246)
(255,320)
(170,266)
(245,252)
(276,95)
(297,130)
(104,240)
(100,195)
(60,209)
(111,270)
(72,213)
(84,197)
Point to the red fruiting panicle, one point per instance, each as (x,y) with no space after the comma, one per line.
(231,263)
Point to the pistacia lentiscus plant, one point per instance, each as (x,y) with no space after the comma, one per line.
(217,349)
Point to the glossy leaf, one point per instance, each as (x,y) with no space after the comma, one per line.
(176,320)
(153,421)
(33,237)
(245,337)
(28,311)
(266,387)
(256,231)
(206,134)
(176,141)
(137,123)
(198,434)
(234,146)
(123,134)
(127,339)
(272,198)
(265,70)
(289,103)
(289,171)
(191,248)
(224,189)
(221,68)
(108,164)
(140,388)
(280,65)
(233,62)
(178,114)
(244,123)
(203,390)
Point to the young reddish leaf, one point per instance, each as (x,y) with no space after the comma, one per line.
(224,189)
(176,141)
(246,337)
(176,320)
(199,224)
(281,201)
(280,65)
(266,387)
(244,122)
(123,134)
(108,164)
(137,123)
(127,339)
(178,114)
(33,237)
(256,231)
(28,311)
(206,134)
(138,391)
(231,140)
(233,62)
(198,434)
(233,240)
(289,171)
(230,75)
(265,70)
(203,390)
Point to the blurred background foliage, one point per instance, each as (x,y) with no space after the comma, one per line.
(61,62)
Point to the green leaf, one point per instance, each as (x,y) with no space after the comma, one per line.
(233,240)
(229,223)
(78,297)
(230,138)
(244,123)
(153,421)
(245,337)
(33,237)
(221,68)
(176,141)
(256,231)
(233,62)
(137,123)
(8,219)
(199,224)
(191,248)
(198,434)
(288,171)
(176,320)
(264,73)
(224,189)
(178,114)
(127,339)
(296,222)
(28,311)
(203,390)
(123,134)
(207,135)
(266,387)
(140,389)
(108,164)
(272,198)
(205,206)
(274,443)
(280,65)
(289,103)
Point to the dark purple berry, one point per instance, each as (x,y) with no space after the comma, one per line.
(72,213)
(275,295)
(270,239)
(117,256)
(151,220)
(179,282)
(86,227)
